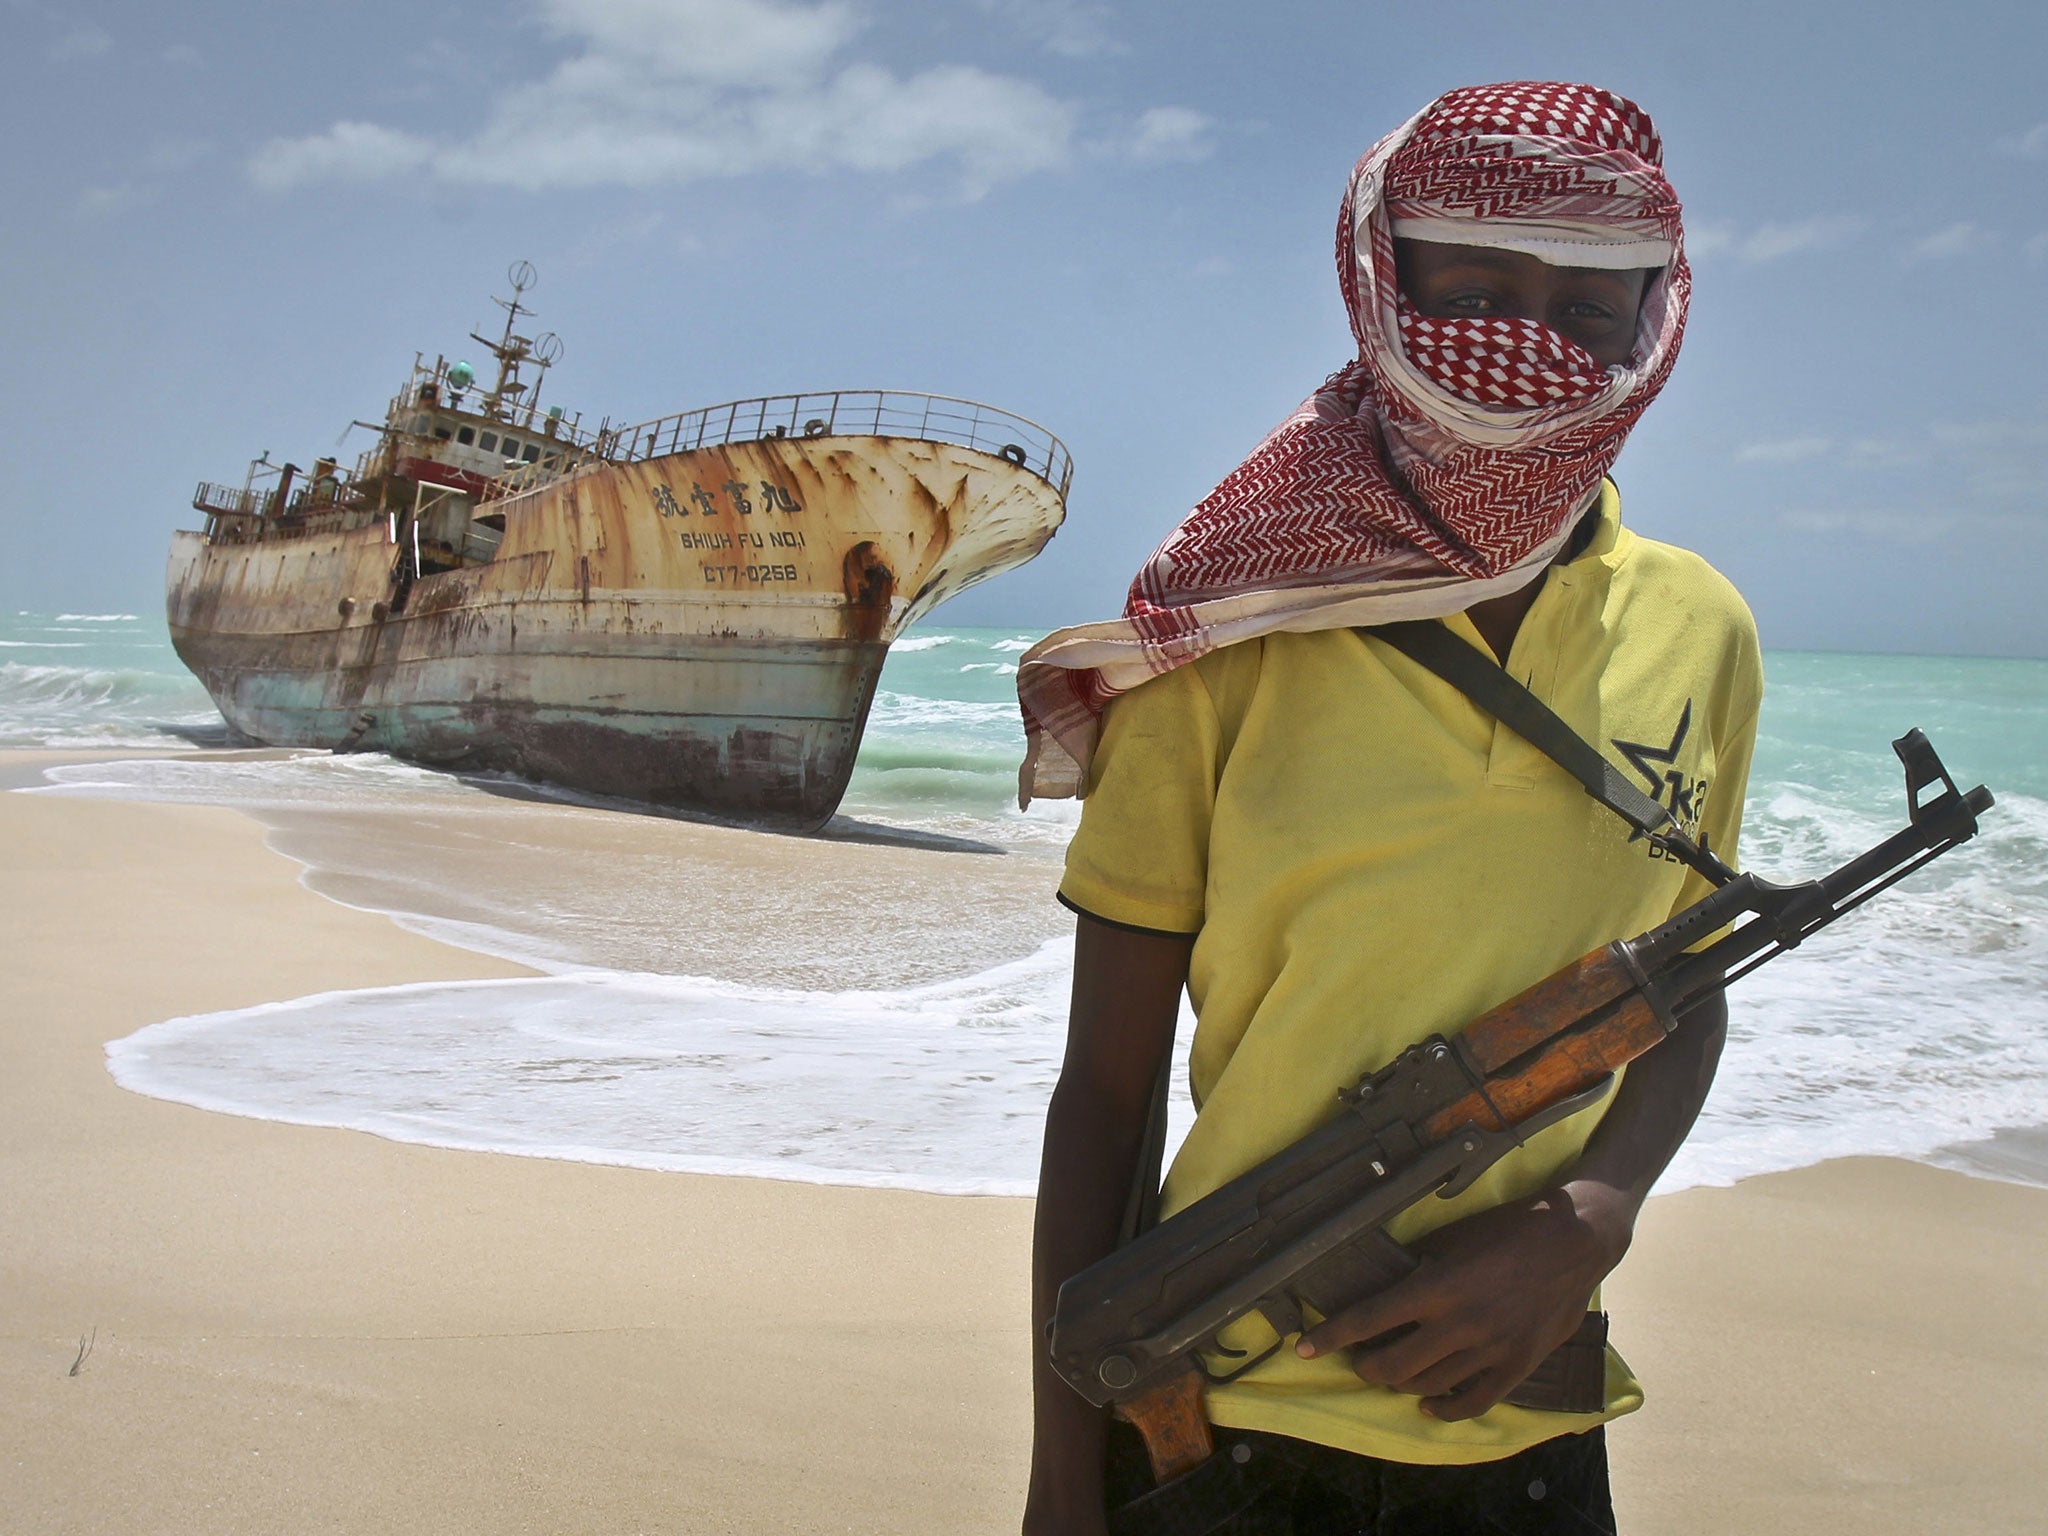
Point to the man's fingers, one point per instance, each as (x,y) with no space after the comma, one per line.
(1390,1362)
(1470,1399)
(1393,1310)
(1445,1377)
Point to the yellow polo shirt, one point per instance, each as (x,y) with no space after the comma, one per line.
(1368,858)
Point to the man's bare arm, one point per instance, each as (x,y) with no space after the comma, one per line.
(1127,990)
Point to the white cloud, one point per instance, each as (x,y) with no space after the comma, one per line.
(345,152)
(1772,242)
(1925,522)
(1169,133)
(1074,29)
(1787,450)
(1863,453)
(664,91)
(2002,460)
(1986,476)
(2031,145)
(86,42)
(1708,239)
(1960,239)
(723,42)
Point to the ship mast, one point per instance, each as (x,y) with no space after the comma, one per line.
(512,350)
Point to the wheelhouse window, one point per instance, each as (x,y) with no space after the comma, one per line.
(488,441)
(466,435)
(531,453)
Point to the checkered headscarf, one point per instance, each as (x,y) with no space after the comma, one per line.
(1448,463)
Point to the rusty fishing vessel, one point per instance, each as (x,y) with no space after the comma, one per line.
(692,611)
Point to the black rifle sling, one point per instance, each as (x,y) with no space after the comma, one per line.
(1489,685)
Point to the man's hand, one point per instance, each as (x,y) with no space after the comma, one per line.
(1499,1290)
(1495,1293)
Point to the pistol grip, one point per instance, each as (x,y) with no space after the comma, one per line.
(1175,1429)
(1363,1267)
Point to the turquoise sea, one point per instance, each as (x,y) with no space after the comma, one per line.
(1917,1027)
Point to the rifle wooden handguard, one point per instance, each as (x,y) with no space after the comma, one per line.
(1609,1023)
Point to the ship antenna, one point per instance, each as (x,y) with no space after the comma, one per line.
(547,350)
(510,350)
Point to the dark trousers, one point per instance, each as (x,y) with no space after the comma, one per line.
(1269,1485)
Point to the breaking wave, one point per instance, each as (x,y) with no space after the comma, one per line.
(58,706)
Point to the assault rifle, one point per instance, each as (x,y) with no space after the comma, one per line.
(1303,1230)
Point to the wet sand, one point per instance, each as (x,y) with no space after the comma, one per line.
(303,1328)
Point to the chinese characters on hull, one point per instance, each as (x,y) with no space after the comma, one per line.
(773,498)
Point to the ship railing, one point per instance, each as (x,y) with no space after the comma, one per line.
(233,515)
(228,500)
(849,413)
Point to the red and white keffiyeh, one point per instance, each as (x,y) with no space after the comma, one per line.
(1450,461)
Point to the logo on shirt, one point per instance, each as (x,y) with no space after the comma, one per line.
(1683,796)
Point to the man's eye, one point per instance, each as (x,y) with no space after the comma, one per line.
(1468,303)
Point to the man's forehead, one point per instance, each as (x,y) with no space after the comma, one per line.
(1438,257)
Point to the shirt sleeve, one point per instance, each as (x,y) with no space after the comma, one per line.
(1141,856)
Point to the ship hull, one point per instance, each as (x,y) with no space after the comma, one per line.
(764,731)
(636,634)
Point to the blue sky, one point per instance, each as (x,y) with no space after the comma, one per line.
(228,228)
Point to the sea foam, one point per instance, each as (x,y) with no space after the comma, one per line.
(1909,1026)
(1914,1024)
(940,1087)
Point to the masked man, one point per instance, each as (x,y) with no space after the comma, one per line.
(1338,854)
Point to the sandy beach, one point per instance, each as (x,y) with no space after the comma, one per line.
(303,1328)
